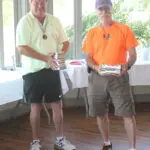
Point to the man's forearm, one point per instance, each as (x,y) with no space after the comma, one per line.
(131,60)
(27,51)
(90,62)
(65,47)
(132,57)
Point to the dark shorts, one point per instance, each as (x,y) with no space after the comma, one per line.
(42,84)
(103,88)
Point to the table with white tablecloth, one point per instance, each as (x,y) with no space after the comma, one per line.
(76,74)
(10,86)
(11,81)
(140,75)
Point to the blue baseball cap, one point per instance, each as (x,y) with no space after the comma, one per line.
(103,4)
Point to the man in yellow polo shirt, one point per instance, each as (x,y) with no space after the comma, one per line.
(107,46)
(37,37)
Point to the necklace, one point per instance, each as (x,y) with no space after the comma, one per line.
(106,35)
(43,28)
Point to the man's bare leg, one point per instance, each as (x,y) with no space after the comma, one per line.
(103,125)
(35,120)
(130,127)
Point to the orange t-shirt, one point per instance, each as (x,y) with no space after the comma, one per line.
(109,45)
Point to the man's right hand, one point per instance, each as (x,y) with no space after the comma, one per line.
(92,64)
(96,68)
(52,62)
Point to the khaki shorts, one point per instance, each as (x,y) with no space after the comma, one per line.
(103,88)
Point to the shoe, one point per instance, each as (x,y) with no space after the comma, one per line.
(35,145)
(107,147)
(63,144)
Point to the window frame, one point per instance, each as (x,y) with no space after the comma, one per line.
(22,7)
(2,36)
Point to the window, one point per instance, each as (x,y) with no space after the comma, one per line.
(8,32)
(139,18)
(64,10)
(77,17)
(10,13)
(134,13)
(89,18)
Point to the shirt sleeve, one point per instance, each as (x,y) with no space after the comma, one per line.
(62,35)
(130,39)
(87,44)
(23,33)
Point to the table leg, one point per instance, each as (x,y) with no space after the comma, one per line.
(16,107)
(78,96)
(86,101)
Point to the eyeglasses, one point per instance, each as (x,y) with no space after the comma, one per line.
(106,36)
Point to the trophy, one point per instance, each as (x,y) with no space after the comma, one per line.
(60,60)
(110,69)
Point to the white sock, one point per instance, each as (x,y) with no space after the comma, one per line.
(36,141)
(59,138)
(132,149)
(107,143)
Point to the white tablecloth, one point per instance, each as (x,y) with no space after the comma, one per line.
(10,86)
(140,75)
(77,75)
(11,83)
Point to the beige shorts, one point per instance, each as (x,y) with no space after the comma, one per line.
(103,88)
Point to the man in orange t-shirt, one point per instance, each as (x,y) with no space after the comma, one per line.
(108,44)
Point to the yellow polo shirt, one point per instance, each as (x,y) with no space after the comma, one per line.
(29,33)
